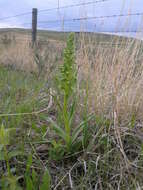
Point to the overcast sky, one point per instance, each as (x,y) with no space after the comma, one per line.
(110,7)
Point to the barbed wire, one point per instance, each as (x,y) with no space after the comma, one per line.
(55,8)
(83,18)
(73,19)
(92,18)
(74,5)
(14,16)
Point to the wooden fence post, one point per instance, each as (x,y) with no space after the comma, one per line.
(34,26)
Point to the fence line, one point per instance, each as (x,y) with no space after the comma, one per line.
(73,19)
(92,18)
(89,18)
(18,15)
(74,5)
(55,8)
(43,24)
(76,19)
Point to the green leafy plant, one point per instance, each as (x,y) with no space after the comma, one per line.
(32,180)
(46,181)
(5,136)
(67,103)
(8,181)
(4,141)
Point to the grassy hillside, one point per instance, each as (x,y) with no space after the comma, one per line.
(71,114)
(60,35)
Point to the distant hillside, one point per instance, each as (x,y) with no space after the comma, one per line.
(62,36)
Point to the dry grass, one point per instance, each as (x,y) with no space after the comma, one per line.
(114,71)
(110,84)
(18,55)
(115,76)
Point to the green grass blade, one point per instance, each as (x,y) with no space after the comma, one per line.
(46,181)
(59,131)
(79,129)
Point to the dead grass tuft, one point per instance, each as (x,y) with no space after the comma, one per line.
(115,77)
(18,55)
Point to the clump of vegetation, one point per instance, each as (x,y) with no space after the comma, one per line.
(70,133)
(48,137)
(6,40)
(9,179)
(40,61)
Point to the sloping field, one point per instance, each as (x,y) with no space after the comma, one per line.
(70,112)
